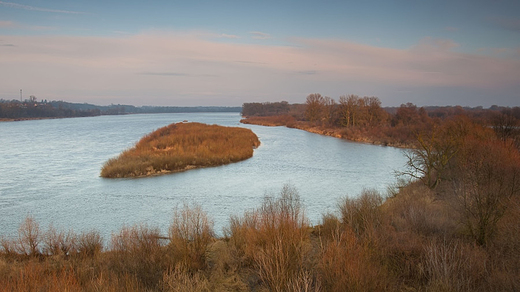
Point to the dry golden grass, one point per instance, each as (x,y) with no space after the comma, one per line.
(182,146)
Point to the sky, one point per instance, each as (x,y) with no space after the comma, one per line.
(226,53)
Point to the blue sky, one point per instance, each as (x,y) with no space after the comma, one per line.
(230,52)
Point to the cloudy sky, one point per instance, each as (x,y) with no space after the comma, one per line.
(190,53)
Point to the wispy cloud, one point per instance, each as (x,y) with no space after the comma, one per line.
(34,8)
(229,36)
(259,35)
(6,24)
(16,25)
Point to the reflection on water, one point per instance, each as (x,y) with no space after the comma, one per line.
(50,170)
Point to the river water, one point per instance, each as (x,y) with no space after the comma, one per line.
(49,169)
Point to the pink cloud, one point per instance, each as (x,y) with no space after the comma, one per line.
(229,36)
(260,35)
(6,24)
(179,63)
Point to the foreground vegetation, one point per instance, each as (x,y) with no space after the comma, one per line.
(412,241)
(182,146)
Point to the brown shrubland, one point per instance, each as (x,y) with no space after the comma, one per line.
(412,240)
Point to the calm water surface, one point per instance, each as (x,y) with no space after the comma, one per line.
(49,169)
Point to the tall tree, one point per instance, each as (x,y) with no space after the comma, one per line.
(485,180)
(315,107)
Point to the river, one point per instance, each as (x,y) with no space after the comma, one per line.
(49,169)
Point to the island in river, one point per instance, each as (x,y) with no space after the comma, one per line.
(182,146)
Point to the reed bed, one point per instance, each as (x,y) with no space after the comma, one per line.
(180,147)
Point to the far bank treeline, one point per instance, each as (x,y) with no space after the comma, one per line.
(32,109)
(180,147)
(363,119)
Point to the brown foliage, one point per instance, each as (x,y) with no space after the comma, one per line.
(275,241)
(486,179)
(190,234)
(409,242)
(138,251)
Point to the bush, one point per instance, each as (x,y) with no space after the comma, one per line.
(139,251)
(190,233)
(58,242)
(454,266)
(362,214)
(274,240)
(90,244)
(29,237)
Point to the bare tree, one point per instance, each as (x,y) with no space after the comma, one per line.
(329,115)
(315,107)
(430,159)
(29,237)
(349,109)
(486,178)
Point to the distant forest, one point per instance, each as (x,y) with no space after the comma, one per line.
(32,109)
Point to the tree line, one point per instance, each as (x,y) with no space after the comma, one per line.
(30,108)
(364,119)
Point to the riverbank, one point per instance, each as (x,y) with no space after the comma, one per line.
(25,119)
(375,136)
(180,147)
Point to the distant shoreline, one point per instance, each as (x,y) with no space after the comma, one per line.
(30,110)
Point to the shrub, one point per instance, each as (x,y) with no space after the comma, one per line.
(29,237)
(58,242)
(362,214)
(346,265)
(180,279)
(190,233)
(454,266)
(274,240)
(90,244)
(139,251)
